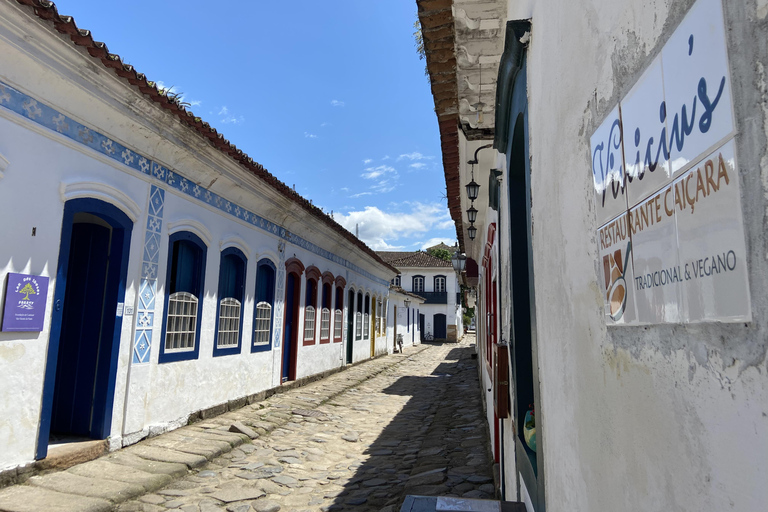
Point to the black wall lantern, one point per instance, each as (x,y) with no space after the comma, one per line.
(472,214)
(473,189)
(472,232)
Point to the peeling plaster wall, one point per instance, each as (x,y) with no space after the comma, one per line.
(640,418)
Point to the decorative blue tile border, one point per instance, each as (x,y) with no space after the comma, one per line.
(50,118)
(279,301)
(148,289)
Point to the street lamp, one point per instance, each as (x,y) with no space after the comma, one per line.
(472,214)
(473,189)
(472,232)
(407,303)
(458,261)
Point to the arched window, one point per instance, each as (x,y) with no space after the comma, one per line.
(367,317)
(325,316)
(338,314)
(264,310)
(396,280)
(359,317)
(418,284)
(440,284)
(230,302)
(310,305)
(184,288)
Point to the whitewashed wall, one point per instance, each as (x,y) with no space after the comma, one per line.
(639,418)
(45,168)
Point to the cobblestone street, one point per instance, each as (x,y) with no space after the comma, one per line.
(361,439)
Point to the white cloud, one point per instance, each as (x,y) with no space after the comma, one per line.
(310,135)
(229,118)
(417,165)
(361,194)
(435,241)
(383,230)
(386,157)
(375,172)
(323,125)
(195,103)
(367,161)
(344,189)
(337,103)
(414,156)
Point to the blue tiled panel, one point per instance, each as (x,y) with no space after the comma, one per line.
(148,289)
(46,116)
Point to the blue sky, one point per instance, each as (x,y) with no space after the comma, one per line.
(329,96)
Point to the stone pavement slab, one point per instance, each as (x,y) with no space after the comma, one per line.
(101,468)
(66,482)
(24,498)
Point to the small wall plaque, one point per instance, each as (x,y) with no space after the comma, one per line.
(25,298)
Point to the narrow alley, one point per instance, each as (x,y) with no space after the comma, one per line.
(361,439)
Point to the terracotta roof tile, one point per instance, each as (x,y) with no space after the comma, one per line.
(412,259)
(46,10)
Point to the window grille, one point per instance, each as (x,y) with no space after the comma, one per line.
(337,325)
(261,328)
(418,284)
(366,327)
(325,324)
(358,325)
(309,323)
(229,322)
(182,322)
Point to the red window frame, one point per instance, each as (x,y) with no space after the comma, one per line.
(312,278)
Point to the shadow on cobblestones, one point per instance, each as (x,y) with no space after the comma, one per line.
(437,445)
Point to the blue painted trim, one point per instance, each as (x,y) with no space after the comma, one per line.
(189,354)
(230,251)
(119,221)
(50,118)
(266,262)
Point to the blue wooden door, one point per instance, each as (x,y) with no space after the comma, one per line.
(350,325)
(291,299)
(440,327)
(82,331)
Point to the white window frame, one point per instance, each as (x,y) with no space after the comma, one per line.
(229,323)
(325,324)
(443,288)
(177,338)
(262,324)
(358,325)
(309,323)
(338,324)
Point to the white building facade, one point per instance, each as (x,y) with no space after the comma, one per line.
(621,153)
(440,316)
(149,269)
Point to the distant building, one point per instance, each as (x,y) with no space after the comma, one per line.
(434,279)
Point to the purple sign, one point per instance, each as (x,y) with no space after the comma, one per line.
(25,297)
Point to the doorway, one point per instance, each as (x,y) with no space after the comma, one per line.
(440,326)
(290,337)
(422,332)
(350,325)
(79,383)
